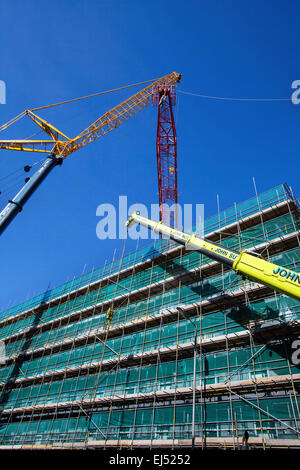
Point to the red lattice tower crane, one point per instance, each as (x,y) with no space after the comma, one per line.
(164,96)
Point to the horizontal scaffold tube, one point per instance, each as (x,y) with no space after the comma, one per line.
(248,265)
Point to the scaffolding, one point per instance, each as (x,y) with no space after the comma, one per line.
(162,347)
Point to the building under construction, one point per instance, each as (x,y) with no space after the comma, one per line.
(162,347)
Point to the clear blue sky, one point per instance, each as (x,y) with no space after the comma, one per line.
(51,51)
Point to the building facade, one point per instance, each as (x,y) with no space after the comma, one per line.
(162,347)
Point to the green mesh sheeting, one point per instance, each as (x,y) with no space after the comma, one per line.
(244,209)
(214,368)
(30,366)
(272,229)
(184,295)
(157,423)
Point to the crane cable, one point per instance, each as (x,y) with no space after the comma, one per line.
(94,94)
(12,121)
(12,177)
(223,98)
(19,116)
(14,182)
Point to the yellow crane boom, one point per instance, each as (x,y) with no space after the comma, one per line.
(256,269)
(62,146)
(59,146)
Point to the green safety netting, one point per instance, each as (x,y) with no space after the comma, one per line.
(212,420)
(216,415)
(244,209)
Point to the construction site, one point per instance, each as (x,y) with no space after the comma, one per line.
(183,343)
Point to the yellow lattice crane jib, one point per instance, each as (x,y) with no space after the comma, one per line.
(62,145)
(58,145)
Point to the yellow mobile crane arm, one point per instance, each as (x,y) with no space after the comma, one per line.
(246,264)
(61,146)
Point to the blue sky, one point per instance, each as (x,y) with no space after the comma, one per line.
(52,51)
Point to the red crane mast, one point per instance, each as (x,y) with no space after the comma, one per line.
(164,96)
